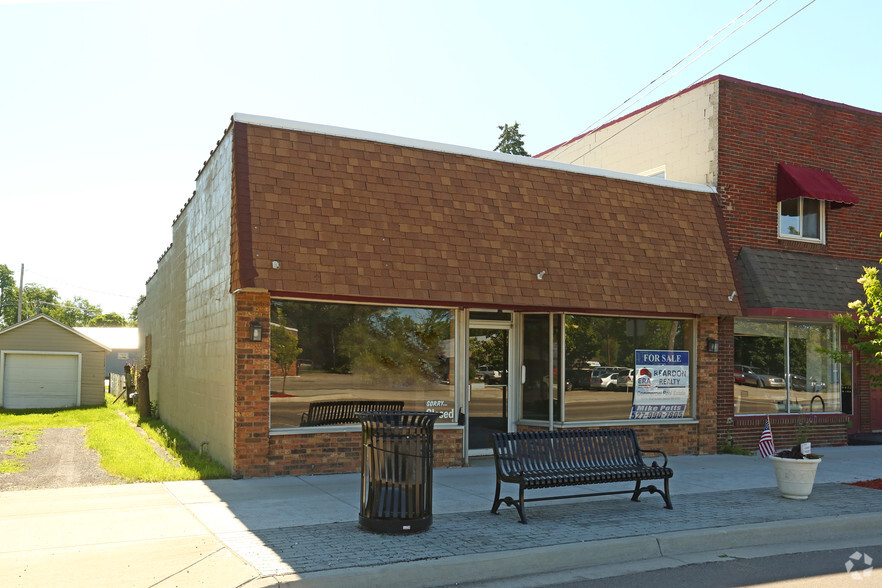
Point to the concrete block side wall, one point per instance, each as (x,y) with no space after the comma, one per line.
(188,315)
(679,134)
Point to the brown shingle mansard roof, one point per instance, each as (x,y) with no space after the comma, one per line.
(350,215)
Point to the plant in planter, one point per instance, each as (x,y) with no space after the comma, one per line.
(795,470)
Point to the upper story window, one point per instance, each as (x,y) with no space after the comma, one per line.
(802,194)
(801,218)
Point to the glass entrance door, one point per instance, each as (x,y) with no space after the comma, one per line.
(488,397)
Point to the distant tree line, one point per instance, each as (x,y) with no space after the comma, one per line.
(36,299)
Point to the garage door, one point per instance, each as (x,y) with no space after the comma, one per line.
(33,380)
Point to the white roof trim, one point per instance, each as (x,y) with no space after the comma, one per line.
(117,338)
(291,125)
(62,325)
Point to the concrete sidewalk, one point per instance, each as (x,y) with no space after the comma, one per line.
(304,531)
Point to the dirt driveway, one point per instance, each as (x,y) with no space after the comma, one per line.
(61,460)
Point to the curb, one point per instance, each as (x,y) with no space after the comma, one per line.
(556,558)
(779,532)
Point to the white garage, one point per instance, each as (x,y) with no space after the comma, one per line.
(45,364)
(41,380)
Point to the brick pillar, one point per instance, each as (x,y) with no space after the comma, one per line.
(251,411)
(708,366)
(726,379)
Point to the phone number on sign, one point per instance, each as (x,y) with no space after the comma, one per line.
(658,411)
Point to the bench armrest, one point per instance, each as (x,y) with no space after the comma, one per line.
(655,452)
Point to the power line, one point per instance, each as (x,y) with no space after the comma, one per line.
(682,59)
(664,101)
(78,287)
(724,62)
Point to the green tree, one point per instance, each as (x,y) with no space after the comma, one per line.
(320,327)
(110,319)
(864,325)
(133,314)
(8,297)
(38,299)
(396,349)
(284,349)
(76,312)
(511,140)
(488,350)
(582,340)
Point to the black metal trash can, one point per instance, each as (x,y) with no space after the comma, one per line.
(396,471)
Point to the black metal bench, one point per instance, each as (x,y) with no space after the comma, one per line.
(573,457)
(342,412)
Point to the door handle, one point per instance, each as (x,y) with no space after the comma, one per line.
(523,374)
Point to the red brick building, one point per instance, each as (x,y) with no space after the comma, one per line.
(798,182)
(500,291)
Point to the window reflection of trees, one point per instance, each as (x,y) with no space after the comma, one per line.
(487,347)
(398,349)
(611,342)
(359,352)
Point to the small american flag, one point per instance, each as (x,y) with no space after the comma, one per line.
(766,444)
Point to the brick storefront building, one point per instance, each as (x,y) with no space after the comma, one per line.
(798,181)
(487,287)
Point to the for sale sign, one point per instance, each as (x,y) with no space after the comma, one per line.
(661,384)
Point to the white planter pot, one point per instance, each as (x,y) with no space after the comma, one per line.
(795,476)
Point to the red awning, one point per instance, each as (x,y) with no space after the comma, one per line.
(809,182)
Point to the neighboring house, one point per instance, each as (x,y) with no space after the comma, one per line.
(123,343)
(45,364)
(406,266)
(800,201)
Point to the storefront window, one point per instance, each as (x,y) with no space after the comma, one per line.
(811,383)
(348,353)
(780,366)
(599,361)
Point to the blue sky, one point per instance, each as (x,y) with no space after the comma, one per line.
(110,108)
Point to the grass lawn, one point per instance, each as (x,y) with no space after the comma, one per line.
(124,452)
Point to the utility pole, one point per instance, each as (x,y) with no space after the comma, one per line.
(20,291)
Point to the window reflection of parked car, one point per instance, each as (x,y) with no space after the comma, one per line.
(738,375)
(304,364)
(604,377)
(801,384)
(797,382)
(489,375)
(768,381)
(578,379)
(748,374)
(625,380)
